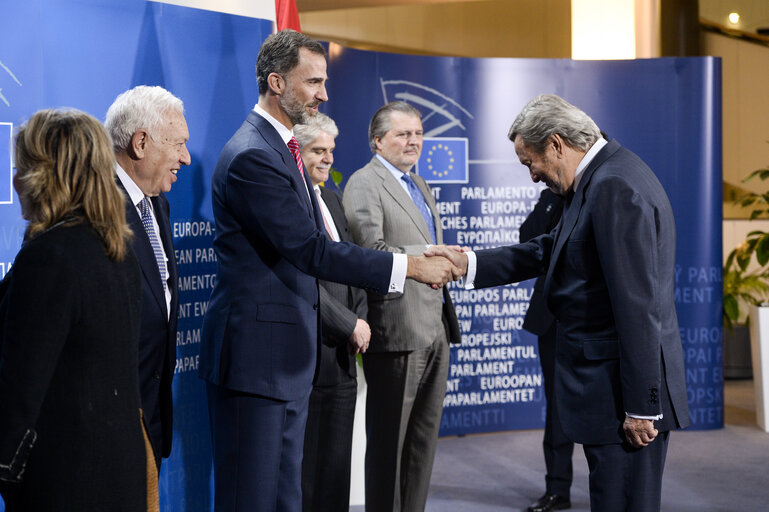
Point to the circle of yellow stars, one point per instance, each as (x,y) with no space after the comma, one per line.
(437,173)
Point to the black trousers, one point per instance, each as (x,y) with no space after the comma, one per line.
(557,448)
(328,448)
(626,479)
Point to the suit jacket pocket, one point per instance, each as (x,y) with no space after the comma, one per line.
(375,297)
(277,313)
(600,349)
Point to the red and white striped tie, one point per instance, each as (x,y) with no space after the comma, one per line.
(293,147)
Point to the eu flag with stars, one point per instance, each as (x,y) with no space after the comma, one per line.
(443,160)
(6,173)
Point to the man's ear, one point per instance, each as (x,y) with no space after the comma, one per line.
(138,146)
(558,144)
(276,83)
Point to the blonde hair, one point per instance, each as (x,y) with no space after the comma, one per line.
(66,167)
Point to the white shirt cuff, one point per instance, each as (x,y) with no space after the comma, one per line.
(468,280)
(398,276)
(640,417)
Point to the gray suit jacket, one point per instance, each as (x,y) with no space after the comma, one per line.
(383,216)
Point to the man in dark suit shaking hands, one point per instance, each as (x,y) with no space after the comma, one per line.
(150,134)
(260,335)
(609,275)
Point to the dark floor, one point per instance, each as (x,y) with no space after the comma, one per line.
(718,470)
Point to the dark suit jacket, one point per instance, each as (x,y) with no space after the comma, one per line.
(70,434)
(543,219)
(260,333)
(157,345)
(340,308)
(610,278)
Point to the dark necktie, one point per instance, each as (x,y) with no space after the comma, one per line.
(419,200)
(144,207)
(293,147)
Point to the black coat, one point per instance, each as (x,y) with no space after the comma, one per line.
(70,435)
(543,219)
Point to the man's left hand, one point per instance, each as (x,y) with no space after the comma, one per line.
(638,432)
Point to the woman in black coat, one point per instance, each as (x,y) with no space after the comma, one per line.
(70,428)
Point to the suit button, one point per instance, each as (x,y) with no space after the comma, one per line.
(156,375)
(315,307)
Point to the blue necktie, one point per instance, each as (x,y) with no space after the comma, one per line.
(144,206)
(419,200)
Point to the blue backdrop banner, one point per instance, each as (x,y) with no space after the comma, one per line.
(56,53)
(668,111)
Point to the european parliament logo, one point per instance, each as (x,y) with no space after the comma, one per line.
(6,171)
(443,160)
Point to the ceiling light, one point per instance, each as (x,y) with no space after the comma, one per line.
(734,18)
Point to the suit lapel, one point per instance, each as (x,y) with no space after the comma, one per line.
(272,137)
(571,211)
(337,213)
(402,197)
(143,250)
(164,223)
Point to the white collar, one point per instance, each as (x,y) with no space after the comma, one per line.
(284,132)
(591,153)
(134,192)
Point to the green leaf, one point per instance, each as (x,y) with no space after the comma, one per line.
(746,201)
(729,260)
(731,308)
(337,178)
(743,259)
(762,250)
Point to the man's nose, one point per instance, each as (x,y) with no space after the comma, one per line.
(322,95)
(185,159)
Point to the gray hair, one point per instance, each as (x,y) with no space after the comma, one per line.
(308,132)
(380,123)
(280,54)
(548,114)
(140,108)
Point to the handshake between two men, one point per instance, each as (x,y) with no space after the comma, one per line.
(438,265)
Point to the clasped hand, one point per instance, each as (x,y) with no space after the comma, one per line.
(438,265)
(639,432)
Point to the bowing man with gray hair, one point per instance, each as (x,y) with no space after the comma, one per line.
(609,273)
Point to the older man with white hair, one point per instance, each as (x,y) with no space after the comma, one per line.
(149,135)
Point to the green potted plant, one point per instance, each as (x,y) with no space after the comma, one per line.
(743,286)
